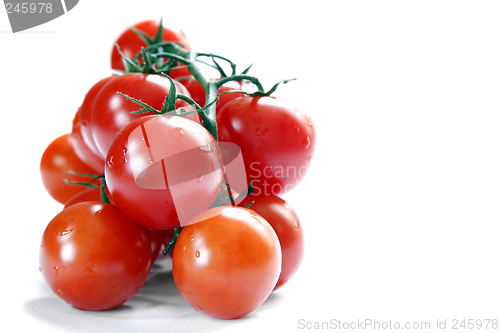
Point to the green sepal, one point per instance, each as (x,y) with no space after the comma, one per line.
(88,183)
(146,107)
(148,40)
(247,69)
(169,104)
(129,65)
(250,204)
(272,90)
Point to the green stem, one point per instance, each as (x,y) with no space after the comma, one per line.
(171,244)
(241,77)
(211,90)
(104,195)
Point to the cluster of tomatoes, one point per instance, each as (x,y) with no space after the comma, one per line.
(163,161)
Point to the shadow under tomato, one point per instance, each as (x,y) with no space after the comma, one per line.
(157,306)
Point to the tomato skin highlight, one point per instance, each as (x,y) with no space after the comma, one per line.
(82,150)
(277,140)
(94,257)
(156,207)
(57,159)
(286,223)
(226,264)
(131,44)
(86,114)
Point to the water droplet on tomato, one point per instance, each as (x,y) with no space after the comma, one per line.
(197,254)
(297,129)
(310,124)
(192,238)
(65,232)
(60,292)
(257,131)
(55,270)
(205,150)
(176,133)
(307,141)
(98,212)
(110,162)
(124,151)
(91,270)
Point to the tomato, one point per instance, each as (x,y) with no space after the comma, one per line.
(180,73)
(57,159)
(111,112)
(285,222)
(86,115)
(163,170)
(155,237)
(94,257)
(95,161)
(277,140)
(227,262)
(88,194)
(198,93)
(131,44)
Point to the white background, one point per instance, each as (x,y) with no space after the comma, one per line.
(400,206)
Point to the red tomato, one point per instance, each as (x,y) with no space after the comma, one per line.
(57,159)
(285,222)
(95,161)
(131,44)
(89,194)
(155,237)
(227,262)
(277,140)
(112,112)
(94,257)
(179,73)
(86,115)
(198,93)
(160,169)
